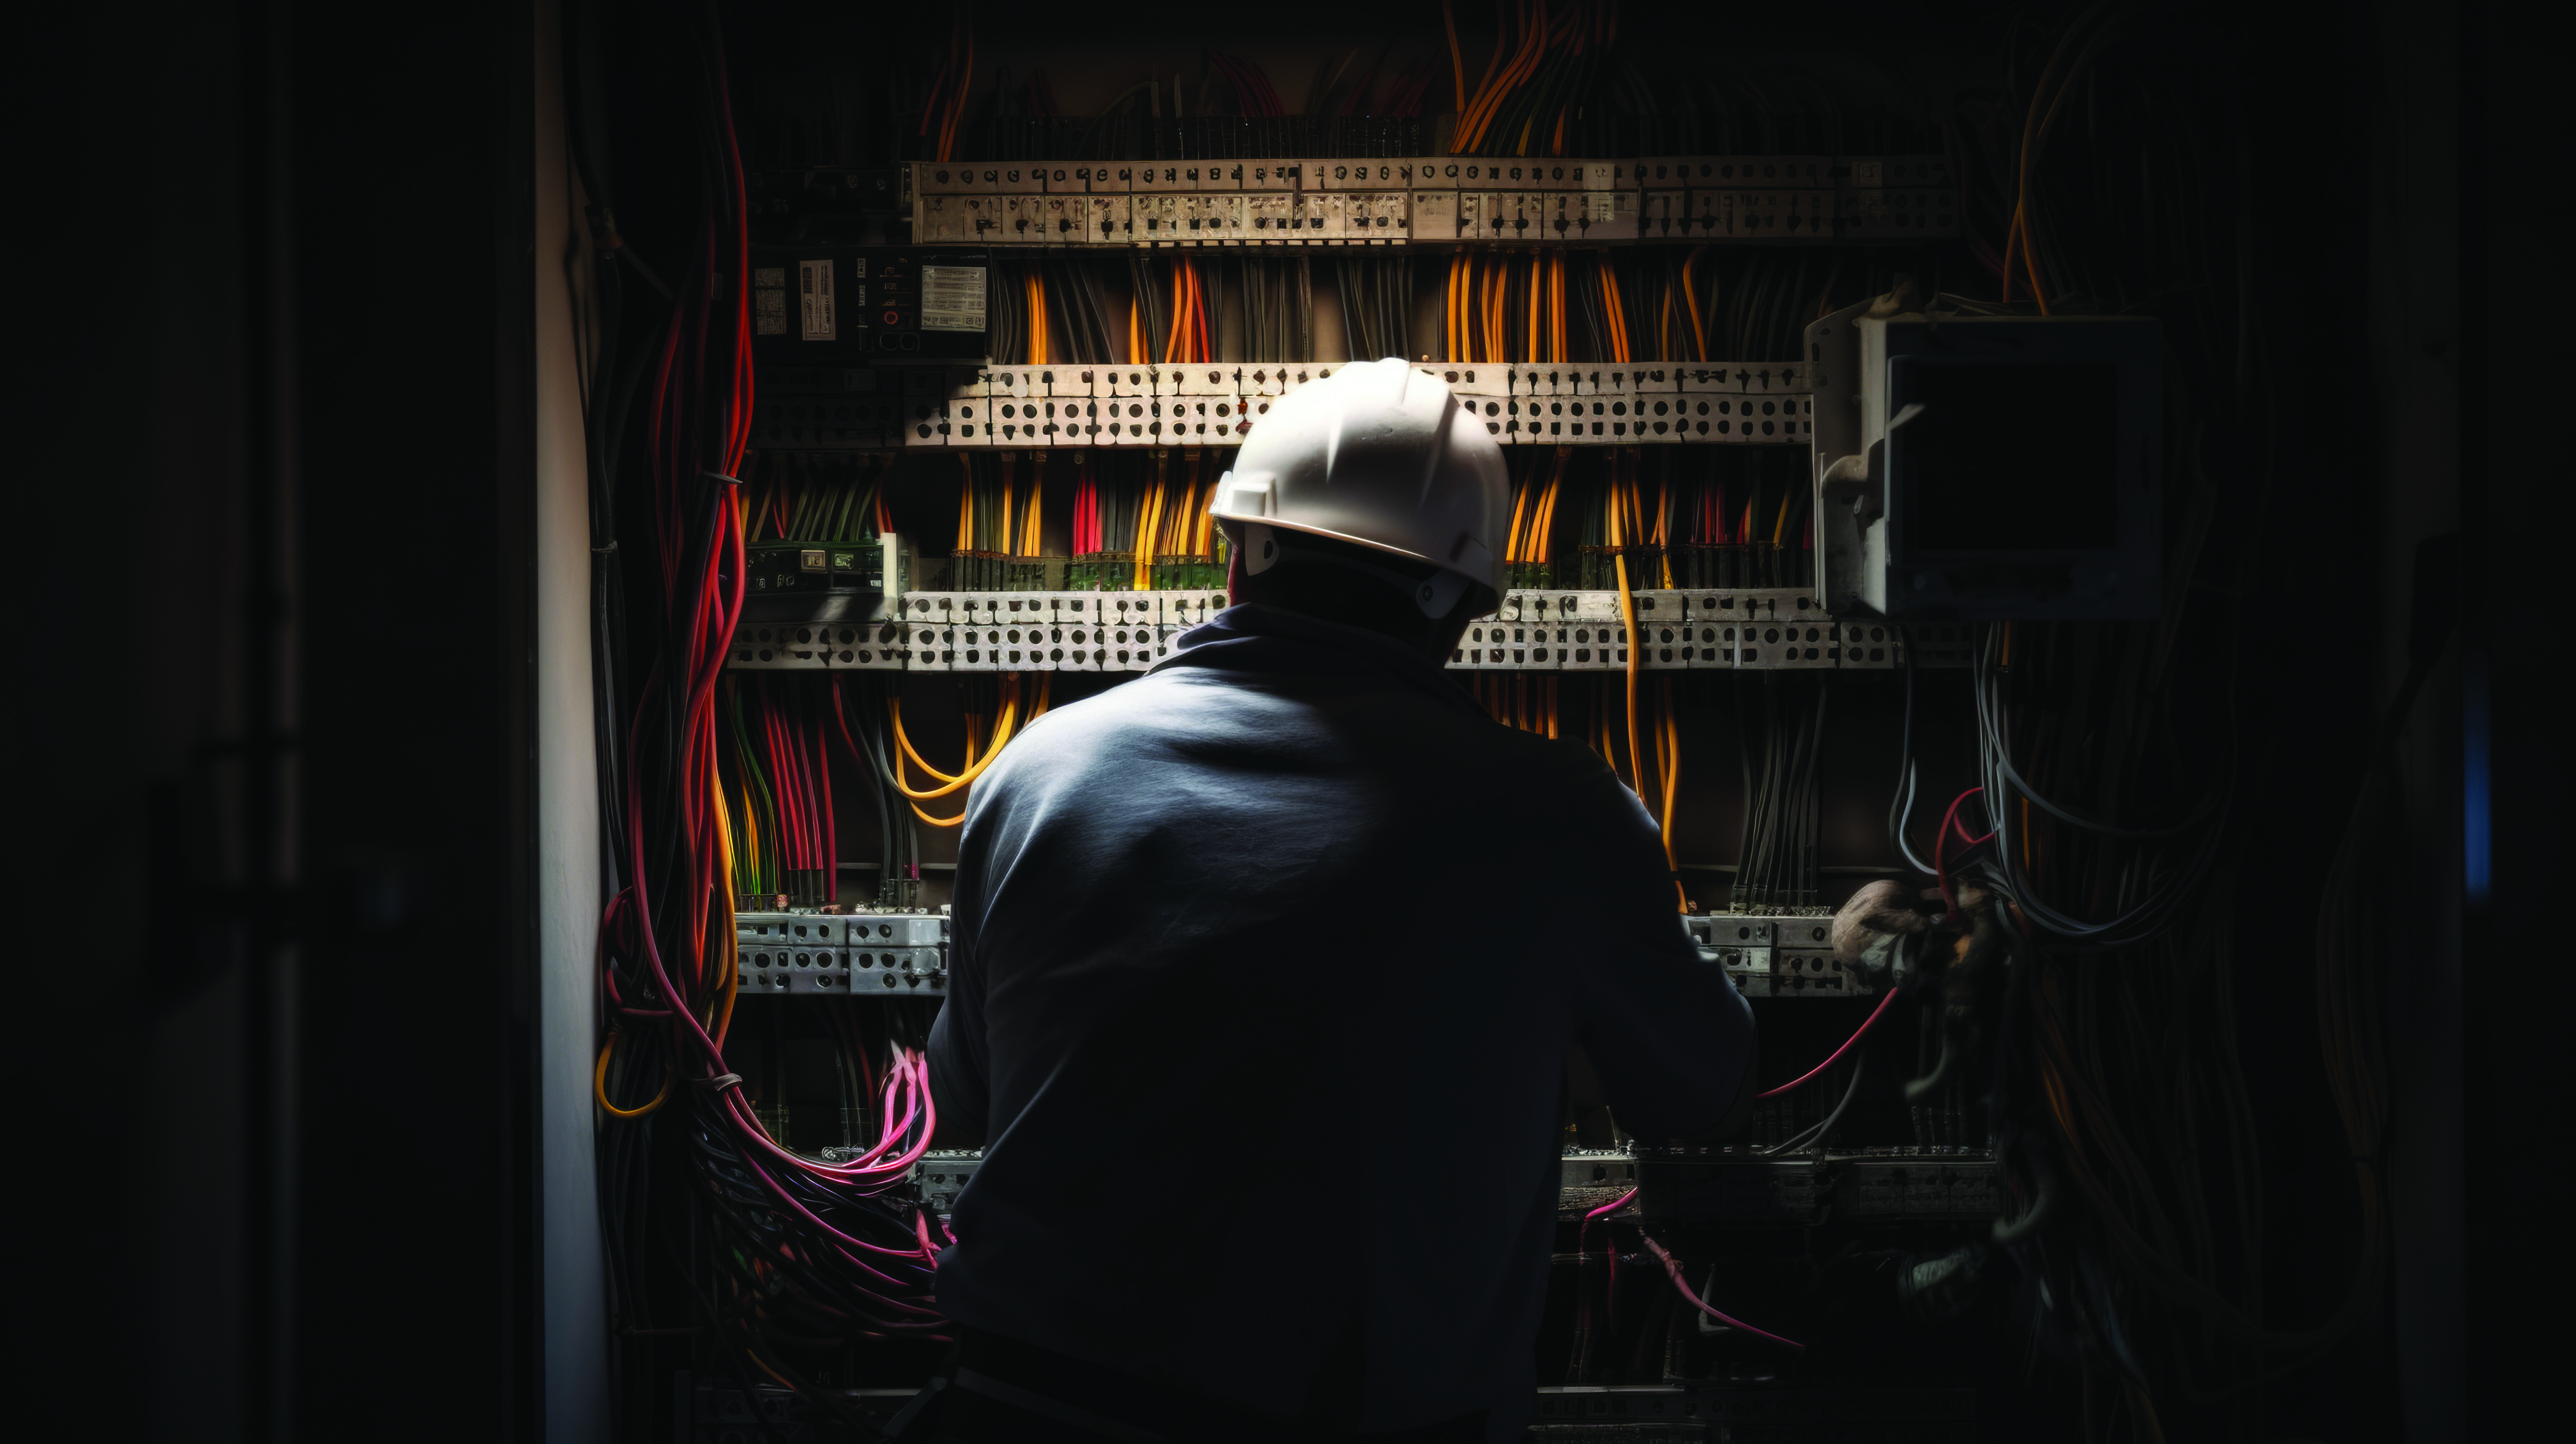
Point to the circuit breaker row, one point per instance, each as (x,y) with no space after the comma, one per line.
(1700,629)
(1213,404)
(1676,199)
(857,955)
(878,954)
(809,408)
(1776,956)
(1925,1185)
(1683,631)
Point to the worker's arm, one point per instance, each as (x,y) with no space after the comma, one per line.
(1666,1037)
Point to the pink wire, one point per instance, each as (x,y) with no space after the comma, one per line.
(1674,1271)
(1810,1075)
(1941,842)
(1617,1203)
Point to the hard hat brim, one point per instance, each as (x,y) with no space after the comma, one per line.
(1359,541)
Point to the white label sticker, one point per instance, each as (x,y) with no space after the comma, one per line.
(952,298)
(814,296)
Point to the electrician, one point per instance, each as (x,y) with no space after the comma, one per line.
(1268,968)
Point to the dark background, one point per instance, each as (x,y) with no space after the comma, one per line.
(275,345)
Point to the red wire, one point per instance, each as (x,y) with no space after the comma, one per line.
(1612,1206)
(1673,1270)
(1810,1075)
(831,825)
(1940,843)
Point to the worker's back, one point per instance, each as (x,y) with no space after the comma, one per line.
(1267,967)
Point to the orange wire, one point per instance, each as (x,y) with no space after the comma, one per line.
(1690,297)
(1529,340)
(1457,66)
(599,1084)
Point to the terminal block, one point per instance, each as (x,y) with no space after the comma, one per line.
(1569,630)
(1775,955)
(1507,201)
(1521,403)
(861,955)
(1892,1185)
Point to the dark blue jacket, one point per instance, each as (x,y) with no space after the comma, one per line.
(1265,970)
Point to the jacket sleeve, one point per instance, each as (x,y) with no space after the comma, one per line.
(961,1064)
(1667,1034)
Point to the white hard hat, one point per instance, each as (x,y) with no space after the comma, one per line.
(1379,454)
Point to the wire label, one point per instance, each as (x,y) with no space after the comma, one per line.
(952,298)
(814,295)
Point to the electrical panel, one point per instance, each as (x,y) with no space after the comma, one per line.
(1783,577)
(823,304)
(1988,467)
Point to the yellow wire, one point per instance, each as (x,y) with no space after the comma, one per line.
(1146,523)
(1547,506)
(1010,478)
(1533,49)
(599,1085)
(1449,313)
(1039,352)
(1457,66)
(1556,308)
(1690,297)
(1627,620)
(1668,761)
(1529,339)
(974,767)
(1610,303)
(727,945)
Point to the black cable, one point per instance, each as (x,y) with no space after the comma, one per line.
(1818,1133)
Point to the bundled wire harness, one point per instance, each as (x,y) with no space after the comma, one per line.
(719,1233)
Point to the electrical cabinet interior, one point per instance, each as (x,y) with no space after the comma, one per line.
(1836,429)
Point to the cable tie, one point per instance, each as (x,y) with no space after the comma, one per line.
(604,551)
(721,1081)
(718,476)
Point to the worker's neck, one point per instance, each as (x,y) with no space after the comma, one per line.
(1430,638)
